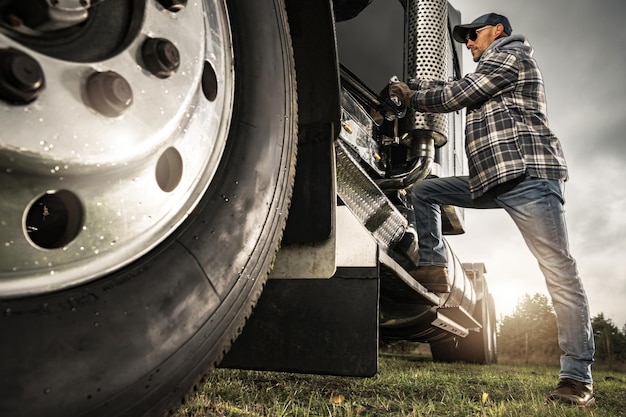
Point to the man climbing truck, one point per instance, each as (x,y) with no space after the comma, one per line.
(150,187)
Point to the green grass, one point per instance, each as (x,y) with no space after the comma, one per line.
(405,386)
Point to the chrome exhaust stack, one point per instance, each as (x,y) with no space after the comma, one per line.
(426,47)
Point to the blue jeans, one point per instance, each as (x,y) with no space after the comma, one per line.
(536,207)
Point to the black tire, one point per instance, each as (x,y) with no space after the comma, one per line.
(477,347)
(135,341)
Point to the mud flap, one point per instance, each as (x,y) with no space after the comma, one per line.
(318,326)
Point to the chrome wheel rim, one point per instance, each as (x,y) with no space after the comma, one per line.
(111,156)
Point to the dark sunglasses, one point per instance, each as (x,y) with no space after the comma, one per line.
(472,35)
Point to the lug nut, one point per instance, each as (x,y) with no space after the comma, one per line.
(21,77)
(109,93)
(160,57)
(173,5)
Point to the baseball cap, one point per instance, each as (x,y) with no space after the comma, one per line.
(459,33)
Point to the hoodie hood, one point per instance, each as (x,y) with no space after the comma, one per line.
(512,42)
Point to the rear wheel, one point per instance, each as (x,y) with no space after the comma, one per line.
(476,347)
(137,242)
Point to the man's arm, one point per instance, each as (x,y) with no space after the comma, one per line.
(495,74)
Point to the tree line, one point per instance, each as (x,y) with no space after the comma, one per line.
(529,334)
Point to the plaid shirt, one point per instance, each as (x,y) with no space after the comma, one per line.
(506,132)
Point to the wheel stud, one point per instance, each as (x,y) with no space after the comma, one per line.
(160,57)
(109,93)
(173,5)
(21,77)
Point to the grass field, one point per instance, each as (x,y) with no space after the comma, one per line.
(406,385)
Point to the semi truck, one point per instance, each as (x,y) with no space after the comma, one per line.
(185,185)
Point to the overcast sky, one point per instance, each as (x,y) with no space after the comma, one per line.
(580,46)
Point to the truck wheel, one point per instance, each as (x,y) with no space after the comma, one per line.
(477,347)
(140,212)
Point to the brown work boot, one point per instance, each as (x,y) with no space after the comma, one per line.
(433,277)
(570,391)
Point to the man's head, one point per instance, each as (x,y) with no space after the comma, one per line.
(479,34)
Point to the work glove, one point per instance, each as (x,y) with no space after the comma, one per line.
(401,94)
(414,83)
